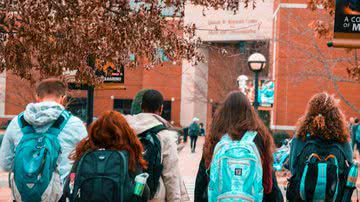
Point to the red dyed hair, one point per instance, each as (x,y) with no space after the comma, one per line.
(111,131)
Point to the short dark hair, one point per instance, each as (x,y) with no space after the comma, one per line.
(52,87)
(356,120)
(152,101)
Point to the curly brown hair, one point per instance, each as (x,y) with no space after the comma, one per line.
(323,118)
(234,117)
(111,131)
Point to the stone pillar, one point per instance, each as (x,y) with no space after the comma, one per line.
(194,90)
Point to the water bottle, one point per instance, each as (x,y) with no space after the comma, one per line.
(140,182)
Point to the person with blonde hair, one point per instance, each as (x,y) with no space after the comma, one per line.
(321,154)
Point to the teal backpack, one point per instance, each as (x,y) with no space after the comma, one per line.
(194,129)
(36,158)
(236,171)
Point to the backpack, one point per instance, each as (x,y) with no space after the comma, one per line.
(320,174)
(356,133)
(152,154)
(194,129)
(100,175)
(236,170)
(35,163)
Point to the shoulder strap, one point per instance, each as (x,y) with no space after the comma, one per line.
(25,127)
(154,130)
(60,123)
(249,136)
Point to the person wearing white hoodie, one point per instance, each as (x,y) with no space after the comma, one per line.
(171,188)
(50,95)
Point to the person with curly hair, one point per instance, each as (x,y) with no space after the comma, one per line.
(321,137)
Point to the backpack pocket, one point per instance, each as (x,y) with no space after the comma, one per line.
(235,197)
(98,188)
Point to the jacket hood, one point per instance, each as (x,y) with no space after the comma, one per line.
(144,121)
(41,115)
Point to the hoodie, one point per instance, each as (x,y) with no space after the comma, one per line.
(41,116)
(171,188)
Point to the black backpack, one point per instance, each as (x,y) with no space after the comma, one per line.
(321,172)
(152,154)
(101,175)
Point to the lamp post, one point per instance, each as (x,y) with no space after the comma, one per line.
(257,63)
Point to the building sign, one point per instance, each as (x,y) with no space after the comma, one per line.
(265,94)
(347,16)
(110,73)
(221,25)
(347,24)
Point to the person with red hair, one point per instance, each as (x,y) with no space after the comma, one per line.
(112,132)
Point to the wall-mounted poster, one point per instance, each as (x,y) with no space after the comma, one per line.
(347,24)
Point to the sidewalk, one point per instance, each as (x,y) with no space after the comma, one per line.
(189,163)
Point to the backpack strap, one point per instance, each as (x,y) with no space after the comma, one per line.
(25,127)
(154,130)
(249,136)
(60,123)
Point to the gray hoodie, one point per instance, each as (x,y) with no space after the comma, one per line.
(41,116)
(171,188)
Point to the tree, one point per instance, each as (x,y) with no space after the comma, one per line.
(43,37)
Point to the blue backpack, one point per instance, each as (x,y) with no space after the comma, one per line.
(236,171)
(36,159)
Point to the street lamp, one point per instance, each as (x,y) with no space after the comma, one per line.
(257,63)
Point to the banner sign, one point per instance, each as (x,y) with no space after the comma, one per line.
(110,73)
(265,94)
(347,16)
(347,24)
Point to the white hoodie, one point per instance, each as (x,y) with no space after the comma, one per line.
(171,186)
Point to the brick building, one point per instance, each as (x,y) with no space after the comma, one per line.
(299,63)
(166,79)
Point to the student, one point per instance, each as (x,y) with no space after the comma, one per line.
(54,132)
(355,134)
(165,182)
(99,158)
(321,145)
(194,132)
(236,124)
(202,129)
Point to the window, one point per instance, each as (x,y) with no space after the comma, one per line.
(167,110)
(77,106)
(123,105)
(242,46)
(166,11)
(161,55)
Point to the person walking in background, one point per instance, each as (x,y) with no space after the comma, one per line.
(321,145)
(186,133)
(101,156)
(194,132)
(355,134)
(165,181)
(202,129)
(42,136)
(238,131)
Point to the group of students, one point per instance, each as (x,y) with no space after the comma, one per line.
(52,157)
